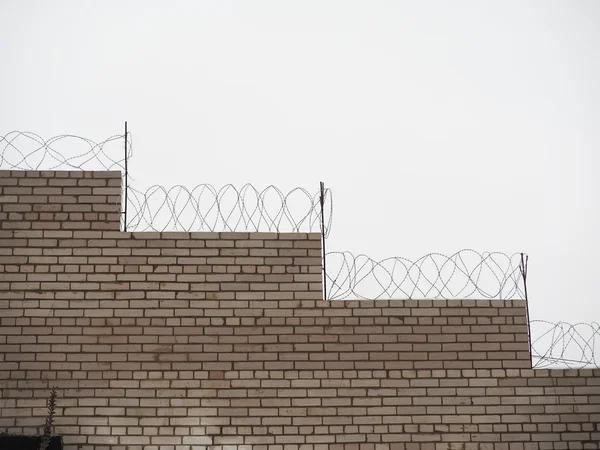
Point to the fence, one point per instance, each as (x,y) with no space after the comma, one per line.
(564,344)
(227,208)
(462,275)
(465,274)
(177,208)
(22,150)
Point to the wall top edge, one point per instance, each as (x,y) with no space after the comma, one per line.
(61,173)
(157,235)
(495,373)
(434,303)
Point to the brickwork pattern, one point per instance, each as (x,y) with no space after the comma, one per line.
(187,341)
(60,200)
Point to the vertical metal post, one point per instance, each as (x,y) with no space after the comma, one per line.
(126,182)
(523,268)
(322,199)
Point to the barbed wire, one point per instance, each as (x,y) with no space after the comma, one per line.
(21,150)
(561,344)
(228,208)
(464,274)
(177,208)
(433,276)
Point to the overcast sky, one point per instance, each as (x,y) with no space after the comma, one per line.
(438,125)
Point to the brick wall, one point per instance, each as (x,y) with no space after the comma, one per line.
(60,200)
(209,340)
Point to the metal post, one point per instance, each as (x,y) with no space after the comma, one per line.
(322,199)
(126,182)
(523,268)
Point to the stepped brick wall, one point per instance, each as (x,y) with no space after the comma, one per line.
(187,341)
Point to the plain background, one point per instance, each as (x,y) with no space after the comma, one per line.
(438,125)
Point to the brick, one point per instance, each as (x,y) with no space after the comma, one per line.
(214,339)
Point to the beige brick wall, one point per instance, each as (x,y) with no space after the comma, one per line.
(208,340)
(60,200)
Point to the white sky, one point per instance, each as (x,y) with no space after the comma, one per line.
(438,125)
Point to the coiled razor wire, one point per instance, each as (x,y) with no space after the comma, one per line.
(177,208)
(561,344)
(41,154)
(228,208)
(464,274)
